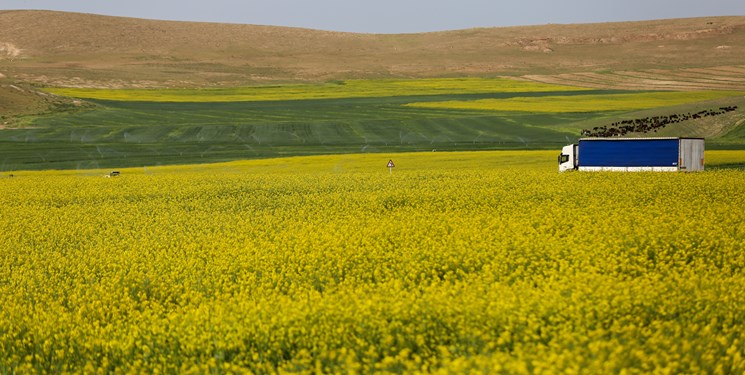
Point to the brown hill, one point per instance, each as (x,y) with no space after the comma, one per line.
(73,49)
(19,99)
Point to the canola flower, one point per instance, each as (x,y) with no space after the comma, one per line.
(488,262)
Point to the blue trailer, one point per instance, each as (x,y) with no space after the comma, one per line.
(634,155)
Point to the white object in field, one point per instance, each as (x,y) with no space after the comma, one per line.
(566,158)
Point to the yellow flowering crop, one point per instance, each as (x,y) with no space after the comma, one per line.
(583,103)
(333,90)
(488,262)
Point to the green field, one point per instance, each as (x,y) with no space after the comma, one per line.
(141,133)
(161,127)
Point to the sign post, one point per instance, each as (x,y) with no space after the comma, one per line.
(390,166)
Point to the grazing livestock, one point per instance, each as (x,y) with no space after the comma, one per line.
(650,124)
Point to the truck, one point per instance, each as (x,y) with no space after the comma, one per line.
(662,154)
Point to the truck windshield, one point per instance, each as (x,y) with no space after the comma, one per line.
(563,158)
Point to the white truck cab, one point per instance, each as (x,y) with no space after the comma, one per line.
(567,158)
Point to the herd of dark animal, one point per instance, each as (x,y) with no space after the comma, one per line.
(650,124)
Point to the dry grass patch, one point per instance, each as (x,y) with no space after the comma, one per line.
(715,78)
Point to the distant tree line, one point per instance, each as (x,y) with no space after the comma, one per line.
(649,124)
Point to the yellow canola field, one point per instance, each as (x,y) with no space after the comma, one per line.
(331,90)
(490,262)
(582,103)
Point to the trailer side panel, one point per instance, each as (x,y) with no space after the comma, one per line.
(629,153)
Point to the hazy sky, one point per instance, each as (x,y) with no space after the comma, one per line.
(393,16)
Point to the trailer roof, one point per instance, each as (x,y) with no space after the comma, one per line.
(634,139)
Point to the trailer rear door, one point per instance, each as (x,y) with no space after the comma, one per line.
(691,154)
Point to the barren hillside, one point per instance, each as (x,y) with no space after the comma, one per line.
(72,49)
